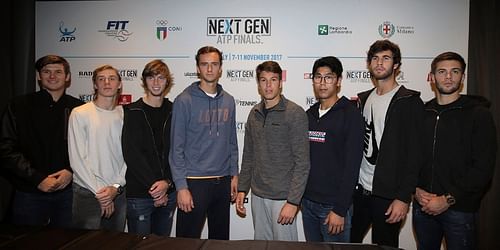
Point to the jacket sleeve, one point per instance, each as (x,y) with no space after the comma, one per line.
(178,143)
(414,130)
(233,142)
(78,150)
(483,152)
(248,158)
(353,151)
(299,141)
(13,160)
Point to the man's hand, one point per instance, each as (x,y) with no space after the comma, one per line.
(234,187)
(63,177)
(423,197)
(185,200)
(335,223)
(436,205)
(106,195)
(397,211)
(48,185)
(287,214)
(161,202)
(158,190)
(240,204)
(107,210)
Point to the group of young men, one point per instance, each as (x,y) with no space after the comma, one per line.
(347,165)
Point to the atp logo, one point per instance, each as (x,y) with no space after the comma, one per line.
(67,35)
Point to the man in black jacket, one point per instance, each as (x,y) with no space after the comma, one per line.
(145,144)
(389,168)
(34,147)
(459,151)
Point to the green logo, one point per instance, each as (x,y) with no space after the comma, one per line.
(322,30)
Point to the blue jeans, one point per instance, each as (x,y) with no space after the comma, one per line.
(52,209)
(313,217)
(87,211)
(144,218)
(458,229)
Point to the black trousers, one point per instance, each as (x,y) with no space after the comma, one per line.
(211,199)
(369,210)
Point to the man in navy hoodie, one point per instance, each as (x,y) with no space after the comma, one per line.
(204,151)
(459,152)
(336,132)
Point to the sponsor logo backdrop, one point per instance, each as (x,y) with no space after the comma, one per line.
(128,34)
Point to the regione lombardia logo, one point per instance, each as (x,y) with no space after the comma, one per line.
(322,30)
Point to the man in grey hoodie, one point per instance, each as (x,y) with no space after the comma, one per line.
(204,151)
(275,161)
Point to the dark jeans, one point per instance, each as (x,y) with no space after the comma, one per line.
(313,218)
(144,218)
(370,210)
(52,209)
(87,211)
(458,229)
(211,199)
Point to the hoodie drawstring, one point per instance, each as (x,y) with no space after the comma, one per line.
(210,115)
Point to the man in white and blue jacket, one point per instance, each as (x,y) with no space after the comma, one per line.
(336,130)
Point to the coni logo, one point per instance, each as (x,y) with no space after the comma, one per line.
(322,29)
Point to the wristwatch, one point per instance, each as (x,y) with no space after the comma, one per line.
(119,188)
(450,199)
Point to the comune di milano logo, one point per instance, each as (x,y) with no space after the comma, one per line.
(239,30)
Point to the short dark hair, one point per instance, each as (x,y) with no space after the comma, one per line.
(269,66)
(156,67)
(53,59)
(448,56)
(331,62)
(383,45)
(206,50)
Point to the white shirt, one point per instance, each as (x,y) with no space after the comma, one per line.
(374,113)
(94,145)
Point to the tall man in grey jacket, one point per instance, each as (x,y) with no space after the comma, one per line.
(275,161)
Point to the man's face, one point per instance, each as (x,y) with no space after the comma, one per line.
(448,77)
(209,67)
(156,85)
(269,85)
(107,83)
(53,77)
(326,83)
(382,65)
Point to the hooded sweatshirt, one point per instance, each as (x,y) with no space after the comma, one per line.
(460,150)
(203,135)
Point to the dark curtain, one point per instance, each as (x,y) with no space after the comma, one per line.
(17,68)
(483,79)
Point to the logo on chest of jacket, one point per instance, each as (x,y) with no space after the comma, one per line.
(317,136)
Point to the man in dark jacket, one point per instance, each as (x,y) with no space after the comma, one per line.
(459,151)
(389,168)
(151,199)
(336,130)
(34,147)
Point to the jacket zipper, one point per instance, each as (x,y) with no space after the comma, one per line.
(154,142)
(434,139)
